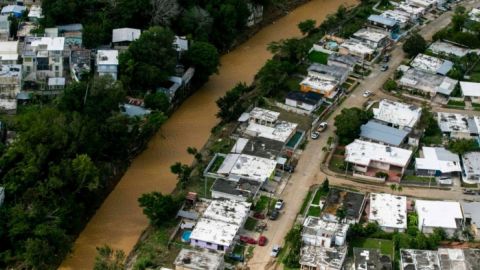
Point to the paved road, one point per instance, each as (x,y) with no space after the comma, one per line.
(308,170)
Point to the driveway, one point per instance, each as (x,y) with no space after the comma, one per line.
(308,171)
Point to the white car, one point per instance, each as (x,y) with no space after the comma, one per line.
(367,93)
(275,251)
(322,127)
(315,135)
(279,204)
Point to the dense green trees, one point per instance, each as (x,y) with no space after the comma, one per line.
(60,167)
(462,146)
(348,124)
(157,101)
(205,58)
(159,208)
(230,105)
(414,45)
(109,259)
(307,26)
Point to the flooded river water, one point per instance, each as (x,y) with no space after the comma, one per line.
(119,221)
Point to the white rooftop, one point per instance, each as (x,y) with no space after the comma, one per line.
(397,113)
(51,43)
(458,123)
(438,159)
(213,231)
(55,81)
(246,166)
(363,152)
(8,50)
(125,34)
(411,8)
(370,35)
(471,163)
(314,225)
(107,57)
(198,260)
(280,131)
(35,12)
(261,114)
(323,258)
(441,214)
(388,210)
(357,47)
(319,83)
(447,48)
(474,14)
(427,82)
(398,15)
(431,64)
(228,211)
(470,89)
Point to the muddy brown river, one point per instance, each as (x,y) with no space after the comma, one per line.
(119,221)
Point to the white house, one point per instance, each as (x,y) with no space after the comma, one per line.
(124,36)
(437,161)
(471,167)
(447,48)
(190,259)
(236,166)
(397,114)
(439,214)
(107,63)
(428,83)
(319,232)
(35,13)
(313,257)
(265,123)
(458,126)
(471,90)
(432,64)
(357,49)
(9,52)
(43,57)
(389,211)
(217,228)
(376,39)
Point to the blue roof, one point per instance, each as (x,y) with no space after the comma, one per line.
(445,67)
(382,133)
(382,20)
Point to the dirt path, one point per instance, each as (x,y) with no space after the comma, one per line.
(308,170)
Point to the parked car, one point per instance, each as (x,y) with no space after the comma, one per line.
(248,240)
(258,215)
(288,168)
(275,251)
(274,214)
(469,192)
(315,135)
(367,93)
(386,58)
(384,68)
(279,204)
(322,127)
(262,240)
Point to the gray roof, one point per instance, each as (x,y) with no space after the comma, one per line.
(382,20)
(349,60)
(445,155)
(472,125)
(445,67)
(371,259)
(263,147)
(472,210)
(335,71)
(242,188)
(382,133)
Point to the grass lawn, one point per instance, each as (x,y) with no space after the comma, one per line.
(432,140)
(250,224)
(197,184)
(418,179)
(222,146)
(216,164)
(475,74)
(314,211)
(476,106)
(385,246)
(261,204)
(306,201)
(318,195)
(456,103)
(318,57)
(337,163)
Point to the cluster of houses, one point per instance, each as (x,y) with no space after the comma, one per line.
(443,258)
(384,149)
(324,242)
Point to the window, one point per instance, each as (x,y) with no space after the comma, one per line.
(209,244)
(221,248)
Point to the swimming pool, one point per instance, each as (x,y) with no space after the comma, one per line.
(186,236)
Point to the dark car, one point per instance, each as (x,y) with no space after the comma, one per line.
(274,214)
(259,215)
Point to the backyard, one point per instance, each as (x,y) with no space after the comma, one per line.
(414,179)
(318,57)
(386,246)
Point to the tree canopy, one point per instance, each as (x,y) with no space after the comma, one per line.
(414,45)
(205,58)
(348,124)
(158,208)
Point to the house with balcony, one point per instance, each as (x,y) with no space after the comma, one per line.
(374,38)
(42,58)
(383,23)
(324,80)
(107,63)
(369,159)
(10,87)
(323,233)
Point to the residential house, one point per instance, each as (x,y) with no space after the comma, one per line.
(427,4)
(73,34)
(43,57)
(80,63)
(352,202)
(56,84)
(389,211)
(396,114)
(189,259)
(357,49)
(122,37)
(370,259)
(237,166)
(439,214)
(472,20)
(416,259)
(448,49)
(471,212)
(312,257)
(107,63)
(319,83)
(375,39)
(429,84)
(35,13)
(4,27)
(471,91)
(323,233)
(471,167)
(219,224)
(377,132)
(386,24)
(265,123)
(14,10)
(401,17)
(241,190)
(415,11)
(134,110)
(175,83)
(256,14)
(9,52)
(342,60)
(258,146)
(458,126)
(437,161)
(459,259)
(180,44)
(10,86)
(24,30)
(431,64)
(308,101)
(339,74)
(368,159)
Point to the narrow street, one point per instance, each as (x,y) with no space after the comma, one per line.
(308,171)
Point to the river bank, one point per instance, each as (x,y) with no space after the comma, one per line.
(119,221)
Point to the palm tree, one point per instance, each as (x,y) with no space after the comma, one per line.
(393,187)
(399,188)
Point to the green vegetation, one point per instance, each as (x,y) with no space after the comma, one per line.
(454,32)
(223,145)
(261,204)
(338,164)
(386,246)
(318,57)
(307,26)
(306,201)
(432,134)
(231,105)
(348,124)
(293,244)
(419,179)
(250,224)
(159,208)
(109,259)
(414,45)
(216,164)
(390,85)
(314,211)
(462,146)
(456,103)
